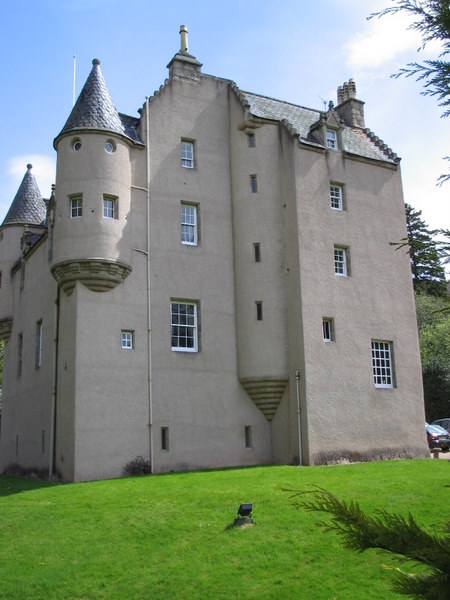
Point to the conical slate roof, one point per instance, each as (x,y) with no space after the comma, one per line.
(94,108)
(28,207)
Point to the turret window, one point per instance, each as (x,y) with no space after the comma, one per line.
(110,207)
(76,145)
(110,146)
(76,207)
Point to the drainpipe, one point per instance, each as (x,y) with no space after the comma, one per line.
(52,444)
(297,384)
(149,309)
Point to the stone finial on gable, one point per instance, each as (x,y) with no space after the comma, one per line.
(349,107)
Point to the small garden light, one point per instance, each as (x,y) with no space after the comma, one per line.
(245,510)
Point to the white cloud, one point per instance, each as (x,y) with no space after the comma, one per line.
(44,169)
(382,41)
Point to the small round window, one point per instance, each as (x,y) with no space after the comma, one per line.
(76,145)
(110,146)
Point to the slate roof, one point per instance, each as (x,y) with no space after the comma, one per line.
(360,142)
(28,207)
(95,110)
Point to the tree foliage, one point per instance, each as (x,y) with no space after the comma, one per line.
(427,272)
(431,18)
(392,533)
(433,320)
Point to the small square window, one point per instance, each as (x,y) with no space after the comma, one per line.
(336,197)
(110,207)
(76,207)
(127,340)
(253,184)
(382,366)
(257,252)
(251,140)
(189,235)
(164,438)
(332,139)
(187,154)
(340,261)
(328,329)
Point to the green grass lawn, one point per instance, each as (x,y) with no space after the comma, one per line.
(170,536)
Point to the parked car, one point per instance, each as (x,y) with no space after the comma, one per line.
(438,438)
(445,423)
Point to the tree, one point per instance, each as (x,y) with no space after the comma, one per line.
(427,271)
(434,335)
(431,18)
(392,533)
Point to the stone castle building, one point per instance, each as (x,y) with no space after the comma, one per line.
(210,284)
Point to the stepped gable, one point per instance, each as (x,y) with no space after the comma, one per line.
(28,207)
(95,111)
(299,120)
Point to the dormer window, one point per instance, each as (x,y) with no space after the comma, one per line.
(332,139)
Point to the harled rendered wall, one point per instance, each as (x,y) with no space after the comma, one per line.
(347,415)
(197,396)
(27,389)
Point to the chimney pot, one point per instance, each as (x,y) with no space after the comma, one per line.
(184,38)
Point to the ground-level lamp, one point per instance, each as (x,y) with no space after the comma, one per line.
(244,514)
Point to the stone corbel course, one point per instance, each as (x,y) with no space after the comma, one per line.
(98,275)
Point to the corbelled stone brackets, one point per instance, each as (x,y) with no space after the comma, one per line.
(5,329)
(98,275)
(266,392)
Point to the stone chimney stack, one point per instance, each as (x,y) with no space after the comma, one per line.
(183,64)
(349,108)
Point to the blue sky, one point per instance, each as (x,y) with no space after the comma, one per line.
(295,50)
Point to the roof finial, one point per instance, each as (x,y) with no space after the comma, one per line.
(29,166)
(95,62)
(184,38)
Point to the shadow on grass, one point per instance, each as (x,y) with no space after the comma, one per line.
(13,484)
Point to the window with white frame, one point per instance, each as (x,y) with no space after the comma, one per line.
(38,352)
(184,326)
(328,329)
(187,154)
(189,233)
(382,366)
(336,197)
(76,207)
(340,261)
(110,207)
(332,139)
(127,339)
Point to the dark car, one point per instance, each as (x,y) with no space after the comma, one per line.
(438,438)
(445,423)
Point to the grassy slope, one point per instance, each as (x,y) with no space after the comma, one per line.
(170,537)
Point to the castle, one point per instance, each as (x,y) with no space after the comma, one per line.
(210,284)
